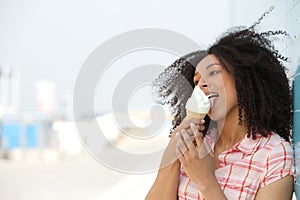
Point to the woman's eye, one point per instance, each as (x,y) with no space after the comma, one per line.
(214,72)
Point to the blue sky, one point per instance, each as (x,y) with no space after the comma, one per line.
(50,40)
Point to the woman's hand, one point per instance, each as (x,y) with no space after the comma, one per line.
(167,180)
(196,156)
(170,155)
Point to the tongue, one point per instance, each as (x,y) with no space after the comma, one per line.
(212,101)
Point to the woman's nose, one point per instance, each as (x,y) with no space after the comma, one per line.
(203,85)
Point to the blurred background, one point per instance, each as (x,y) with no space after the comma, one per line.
(43,45)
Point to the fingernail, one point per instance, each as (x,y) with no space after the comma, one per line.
(202,121)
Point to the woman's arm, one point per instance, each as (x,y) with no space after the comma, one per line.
(166,183)
(167,180)
(281,189)
(278,182)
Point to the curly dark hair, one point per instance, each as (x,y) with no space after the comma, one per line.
(264,95)
(263,91)
(175,85)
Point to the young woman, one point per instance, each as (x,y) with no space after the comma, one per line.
(247,154)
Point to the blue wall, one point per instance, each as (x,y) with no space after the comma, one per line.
(296,129)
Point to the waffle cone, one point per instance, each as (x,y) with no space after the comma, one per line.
(194,115)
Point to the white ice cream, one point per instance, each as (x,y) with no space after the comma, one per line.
(198,102)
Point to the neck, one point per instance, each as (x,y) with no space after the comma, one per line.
(231,132)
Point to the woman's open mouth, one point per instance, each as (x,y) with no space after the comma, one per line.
(212,98)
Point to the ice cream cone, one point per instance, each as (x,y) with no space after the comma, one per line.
(194,115)
(198,105)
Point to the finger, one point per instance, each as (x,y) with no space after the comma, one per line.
(184,125)
(192,147)
(188,132)
(199,128)
(179,154)
(205,149)
(181,157)
(208,148)
(188,138)
(192,135)
(190,142)
(180,144)
(199,139)
(186,122)
(196,129)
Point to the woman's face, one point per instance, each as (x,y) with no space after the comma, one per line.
(219,85)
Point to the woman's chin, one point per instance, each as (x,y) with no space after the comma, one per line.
(215,116)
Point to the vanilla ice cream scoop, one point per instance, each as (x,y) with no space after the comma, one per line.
(198,104)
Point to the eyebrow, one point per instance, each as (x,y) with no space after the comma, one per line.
(208,66)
